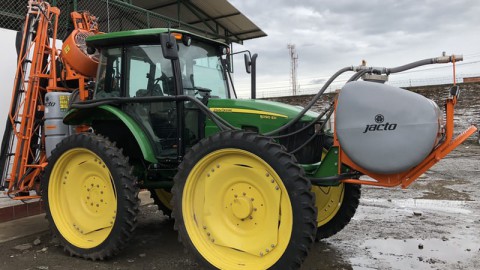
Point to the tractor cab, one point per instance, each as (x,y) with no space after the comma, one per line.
(134,67)
(157,77)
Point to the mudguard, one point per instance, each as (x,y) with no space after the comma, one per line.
(107,112)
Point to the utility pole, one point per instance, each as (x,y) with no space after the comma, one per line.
(293,67)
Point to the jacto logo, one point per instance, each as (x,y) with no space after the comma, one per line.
(379,119)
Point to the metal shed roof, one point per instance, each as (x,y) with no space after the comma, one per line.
(216,19)
(212,16)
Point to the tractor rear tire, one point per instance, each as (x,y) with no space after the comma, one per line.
(240,201)
(91,198)
(336,206)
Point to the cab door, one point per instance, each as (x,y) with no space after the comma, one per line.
(149,75)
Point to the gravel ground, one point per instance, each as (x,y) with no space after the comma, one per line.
(434,224)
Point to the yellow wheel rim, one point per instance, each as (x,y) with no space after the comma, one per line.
(81,198)
(328,201)
(237,211)
(165,197)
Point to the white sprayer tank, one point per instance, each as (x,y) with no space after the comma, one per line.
(385,129)
(56,106)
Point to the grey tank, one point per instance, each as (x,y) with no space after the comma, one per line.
(385,129)
(56,106)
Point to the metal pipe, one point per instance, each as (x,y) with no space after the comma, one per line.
(253,63)
(332,180)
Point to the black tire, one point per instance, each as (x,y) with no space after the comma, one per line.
(123,185)
(293,181)
(166,209)
(348,207)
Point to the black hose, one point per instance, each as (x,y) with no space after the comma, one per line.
(358,75)
(410,66)
(305,127)
(311,103)
(314,135)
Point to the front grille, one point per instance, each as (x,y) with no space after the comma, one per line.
(312,152)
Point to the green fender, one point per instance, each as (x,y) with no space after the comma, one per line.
(107,112)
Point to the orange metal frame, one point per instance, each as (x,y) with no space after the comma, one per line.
(406,178)
(28,163)
(23,173)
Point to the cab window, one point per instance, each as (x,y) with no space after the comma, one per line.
(149,74)
(109,73)
(202,70)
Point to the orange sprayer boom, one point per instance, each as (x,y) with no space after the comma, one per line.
(22,156)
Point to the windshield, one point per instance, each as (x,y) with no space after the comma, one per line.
(202,70)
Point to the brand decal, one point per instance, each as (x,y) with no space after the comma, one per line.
(380,126)
(262,114)
(66,49)
(50,104)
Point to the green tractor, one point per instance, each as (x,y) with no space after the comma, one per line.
(163,117)
(250,183)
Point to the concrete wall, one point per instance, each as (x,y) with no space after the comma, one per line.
(467,111)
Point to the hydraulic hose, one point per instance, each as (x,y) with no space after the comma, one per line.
(319,117)
(357,75)
(311,103)
(410,66)
(428,61)
(330,112)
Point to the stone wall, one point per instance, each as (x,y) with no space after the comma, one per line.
(467,111)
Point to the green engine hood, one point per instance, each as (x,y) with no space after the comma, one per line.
(261,115)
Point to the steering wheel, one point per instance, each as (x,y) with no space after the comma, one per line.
(200,90)
(165,83)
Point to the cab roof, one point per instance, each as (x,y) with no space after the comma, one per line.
(141,36)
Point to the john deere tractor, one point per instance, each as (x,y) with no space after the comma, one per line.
(250,184)
(163,116)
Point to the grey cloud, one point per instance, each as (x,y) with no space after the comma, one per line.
(332,34)
(317,81)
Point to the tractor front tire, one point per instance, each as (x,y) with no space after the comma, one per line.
(241,202)
(336,206)
(91,198)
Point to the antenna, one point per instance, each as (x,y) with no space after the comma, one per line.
(293,67)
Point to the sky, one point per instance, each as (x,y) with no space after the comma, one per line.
(329,35)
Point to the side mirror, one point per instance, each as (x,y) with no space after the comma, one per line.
(169,46)
(248,63)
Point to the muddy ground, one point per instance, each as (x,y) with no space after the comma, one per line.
(434,224)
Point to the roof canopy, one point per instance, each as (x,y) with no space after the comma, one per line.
(216,19)
(212,16)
